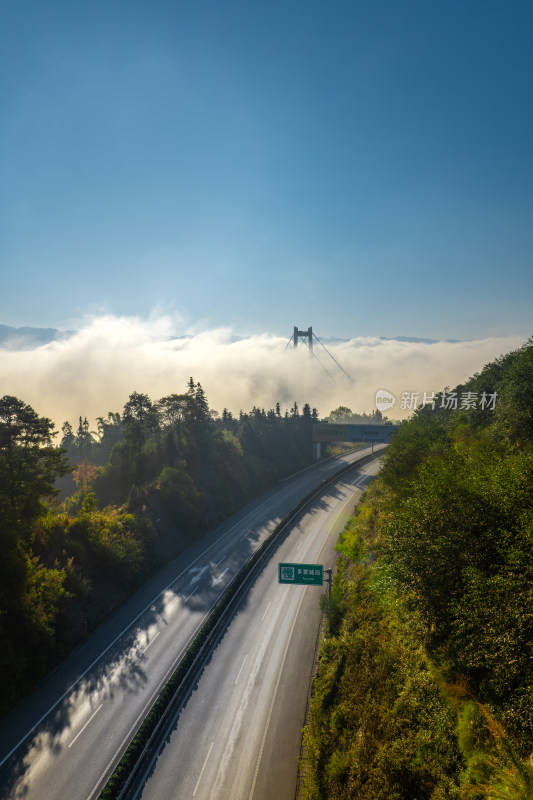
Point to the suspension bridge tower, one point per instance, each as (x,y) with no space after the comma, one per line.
(306,336)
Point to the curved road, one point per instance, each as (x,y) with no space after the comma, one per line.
(239,734)
(64,740)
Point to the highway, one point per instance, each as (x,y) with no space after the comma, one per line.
(239,734)
(64,740)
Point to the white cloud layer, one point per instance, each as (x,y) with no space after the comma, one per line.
(95,370)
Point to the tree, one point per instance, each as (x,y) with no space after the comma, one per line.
(29,463)
(68,440)
(514,407)
(306,412)
(29,466)
(84,438)
(340,415)
(173,409)
(84,475)
(173,412)
(110,432)
(201,399)
(140,418)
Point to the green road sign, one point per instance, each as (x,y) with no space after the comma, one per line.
(308,574)
(332,432)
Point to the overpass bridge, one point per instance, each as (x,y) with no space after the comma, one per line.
(345,433)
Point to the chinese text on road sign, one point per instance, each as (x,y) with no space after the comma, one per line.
(308,574)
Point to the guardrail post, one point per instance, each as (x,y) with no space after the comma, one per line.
(328,580)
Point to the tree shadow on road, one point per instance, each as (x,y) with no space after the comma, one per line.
(121,670)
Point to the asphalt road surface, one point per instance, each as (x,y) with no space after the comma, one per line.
(63,741)
(239,734)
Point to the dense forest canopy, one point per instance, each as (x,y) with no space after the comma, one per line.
(426,684)
(86,520)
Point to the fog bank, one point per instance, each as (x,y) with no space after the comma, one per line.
(95,370)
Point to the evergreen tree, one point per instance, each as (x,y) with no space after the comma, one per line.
(201,400)
(68,440)
(84,439)
(140,418)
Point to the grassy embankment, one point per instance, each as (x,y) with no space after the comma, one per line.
(425,682)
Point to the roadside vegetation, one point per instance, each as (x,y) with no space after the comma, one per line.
(425,682)
(84,522)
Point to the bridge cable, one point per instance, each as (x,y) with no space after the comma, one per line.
(334,359)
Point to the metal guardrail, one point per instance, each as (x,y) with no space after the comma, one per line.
(132,768)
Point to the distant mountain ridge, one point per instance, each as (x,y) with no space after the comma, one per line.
(409,339)
(28,338)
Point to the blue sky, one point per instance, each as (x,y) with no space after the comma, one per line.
(362,167)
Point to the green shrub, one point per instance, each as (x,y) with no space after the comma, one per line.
(186,505)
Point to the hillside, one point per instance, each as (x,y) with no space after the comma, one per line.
(29,338)
(425,684)
(83,524)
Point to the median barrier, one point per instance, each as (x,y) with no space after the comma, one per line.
(139,755)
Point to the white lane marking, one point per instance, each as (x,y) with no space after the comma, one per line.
(190,595)
(220,578)
(353,491)
(241,669)
(266,610)
(87,723)
(356,450)
(199,572)
(220,562)
(150,606)
(130,625)
(280,673)
(172,583)
(203,768)
(97,788)
(150,643)
(324,541)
